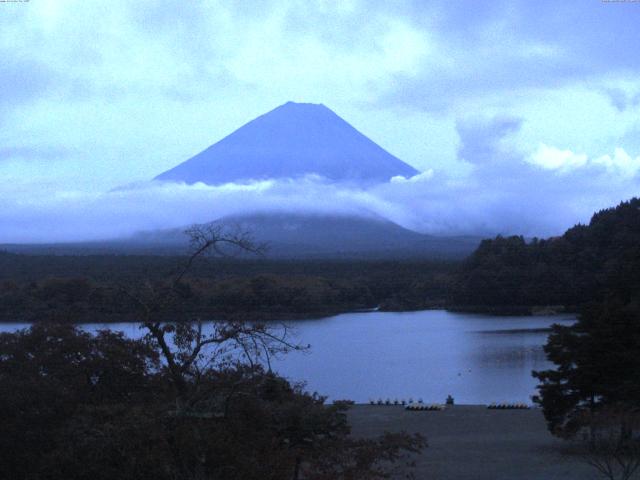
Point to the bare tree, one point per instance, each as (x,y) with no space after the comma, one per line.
(611,448)
(189,347)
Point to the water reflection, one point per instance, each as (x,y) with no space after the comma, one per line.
(428,354)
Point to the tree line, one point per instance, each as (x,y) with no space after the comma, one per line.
(82,289)
(587,263)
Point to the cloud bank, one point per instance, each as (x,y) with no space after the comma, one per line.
(536,194)
(524,116)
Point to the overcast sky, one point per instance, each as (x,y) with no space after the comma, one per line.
(524,115)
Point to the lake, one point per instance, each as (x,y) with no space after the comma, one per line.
(478,359)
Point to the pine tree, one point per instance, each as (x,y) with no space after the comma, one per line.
(598,366)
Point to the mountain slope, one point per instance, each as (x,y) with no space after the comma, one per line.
(293,140)
(288,236)
(328,236)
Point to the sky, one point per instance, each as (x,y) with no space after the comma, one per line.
(523,117)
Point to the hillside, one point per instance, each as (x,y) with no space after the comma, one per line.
(327,236)
(588,262)
(288,236)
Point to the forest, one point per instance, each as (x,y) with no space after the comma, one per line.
(587,263)
(505,275)
(89,288)
(593,390)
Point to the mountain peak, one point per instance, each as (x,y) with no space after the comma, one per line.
(290,141)
(303,105)
(304,110)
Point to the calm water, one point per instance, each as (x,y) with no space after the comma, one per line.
(428,355)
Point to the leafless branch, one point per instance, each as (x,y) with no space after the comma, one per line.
(611,448)
(184,352)
(214,237)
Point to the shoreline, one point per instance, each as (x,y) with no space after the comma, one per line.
(269,317)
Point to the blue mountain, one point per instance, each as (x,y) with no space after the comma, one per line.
(293,140)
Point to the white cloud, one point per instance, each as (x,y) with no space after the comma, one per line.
(420,177)
(621,163)
(552,158)
(531,201)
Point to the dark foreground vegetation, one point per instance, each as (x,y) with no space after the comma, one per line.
(184,402)
(79,406)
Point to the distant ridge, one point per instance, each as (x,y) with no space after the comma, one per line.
(291,141)
(288,236)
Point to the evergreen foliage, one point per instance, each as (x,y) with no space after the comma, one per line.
(587,263)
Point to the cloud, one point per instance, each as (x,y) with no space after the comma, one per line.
(420,177)
(77,215)
(32,152)
(622,99)
(552,158)
(481,139)
(534,201)
(621,163)
(507,190)
(22,80)
(511,47)
(522,115)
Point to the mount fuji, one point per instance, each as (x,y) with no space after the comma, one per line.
(291,141)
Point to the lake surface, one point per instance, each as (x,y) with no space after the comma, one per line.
(478,359)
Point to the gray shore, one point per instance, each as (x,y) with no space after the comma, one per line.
(471,442)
